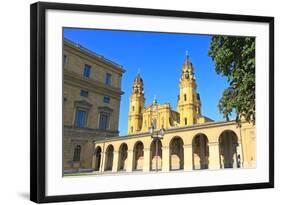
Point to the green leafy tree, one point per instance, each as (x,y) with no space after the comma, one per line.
(234,58)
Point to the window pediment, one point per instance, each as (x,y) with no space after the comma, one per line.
(83,103)
(105,109)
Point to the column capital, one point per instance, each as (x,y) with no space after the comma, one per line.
(165,147)
(213,143)
(187,146)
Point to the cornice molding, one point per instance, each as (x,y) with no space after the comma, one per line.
(93,57)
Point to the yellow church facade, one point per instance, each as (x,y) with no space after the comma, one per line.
(182,139)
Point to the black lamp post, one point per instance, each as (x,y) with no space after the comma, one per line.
(156,135)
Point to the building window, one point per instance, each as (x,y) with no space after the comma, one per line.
(108,79)
(80,120)
(77,153)
(133,108)
(184,97)
(155,123)
(87,71)
(106,99)
(132,129)
(185,121)
(104,121)
(84,93)
(64,60)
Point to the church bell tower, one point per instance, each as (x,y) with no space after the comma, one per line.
(136,106)
(189,104)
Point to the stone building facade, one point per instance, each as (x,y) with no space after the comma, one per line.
(91,102)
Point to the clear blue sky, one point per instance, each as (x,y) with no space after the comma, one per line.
(159,56)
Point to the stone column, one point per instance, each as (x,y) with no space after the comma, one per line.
(146,159)
(187,157)
(130,160)
(165,158)
(239,152)
(115,161)
(214,155)
(102,165)
(93,161)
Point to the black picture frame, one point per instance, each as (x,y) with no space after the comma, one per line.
(38,101)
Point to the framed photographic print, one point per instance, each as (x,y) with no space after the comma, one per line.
(129,102)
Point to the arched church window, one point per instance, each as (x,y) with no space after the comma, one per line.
(133,108)
(184,97)
(185,121)
(77,152)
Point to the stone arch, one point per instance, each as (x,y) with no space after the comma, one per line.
(176,153)
(97,158)
(123,155)
(156,155)
(220,131)
(138,156)
(200,151)
(108,162)
(228,143)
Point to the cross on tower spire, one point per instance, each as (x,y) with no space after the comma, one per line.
(187,54)
(154,100)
